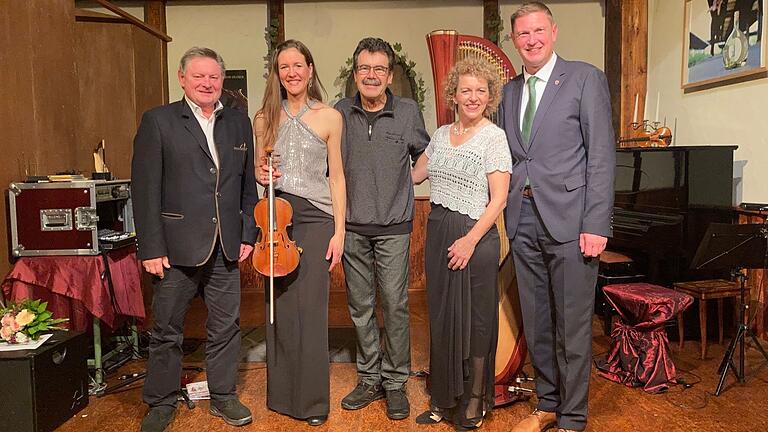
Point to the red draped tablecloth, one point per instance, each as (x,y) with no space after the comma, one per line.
(639,354)
(75,287)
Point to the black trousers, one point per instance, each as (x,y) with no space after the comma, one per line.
(298,367)
(218,281)
(557,294)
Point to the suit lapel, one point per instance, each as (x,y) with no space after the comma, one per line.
(517,95)
(556,81)
(220,133)
(191,124)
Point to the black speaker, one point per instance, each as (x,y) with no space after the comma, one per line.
(45,387)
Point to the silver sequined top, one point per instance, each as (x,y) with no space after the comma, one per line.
(303,161)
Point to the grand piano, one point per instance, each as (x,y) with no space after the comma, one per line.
(665,199)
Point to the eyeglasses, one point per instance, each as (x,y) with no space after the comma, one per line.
(378,70)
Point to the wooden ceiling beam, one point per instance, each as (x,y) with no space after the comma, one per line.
(155,16)
(491,20)
(276,15)
(626,60)
(133,20)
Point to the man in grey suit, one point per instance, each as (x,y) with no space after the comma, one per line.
(557,116)
(194,190)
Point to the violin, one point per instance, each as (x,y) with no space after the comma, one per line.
(659,137)
(275,254)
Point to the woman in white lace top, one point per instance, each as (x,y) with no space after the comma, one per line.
(468,164)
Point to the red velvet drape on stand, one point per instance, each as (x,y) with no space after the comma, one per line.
(75,287)
(639,354)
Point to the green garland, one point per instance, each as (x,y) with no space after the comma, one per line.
(409,66)
(495,25)
(270,36)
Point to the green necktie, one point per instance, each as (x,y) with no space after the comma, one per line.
(530,110)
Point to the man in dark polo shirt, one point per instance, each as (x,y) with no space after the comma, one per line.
(383,135)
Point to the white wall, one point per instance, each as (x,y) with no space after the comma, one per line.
(332,30)
(235,30)
(581,30)
(732,114)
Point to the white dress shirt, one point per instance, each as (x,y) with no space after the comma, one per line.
(207,124)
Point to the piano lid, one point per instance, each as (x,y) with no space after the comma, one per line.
(671,179)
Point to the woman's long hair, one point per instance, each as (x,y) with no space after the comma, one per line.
(275,92)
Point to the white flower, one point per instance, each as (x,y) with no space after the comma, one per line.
(25,317)
(21,338)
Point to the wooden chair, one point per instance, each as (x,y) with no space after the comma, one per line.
(705,290)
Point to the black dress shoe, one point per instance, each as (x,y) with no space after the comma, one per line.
(398,407)
(362,395)
(158,418)
(316,420)
(232,411)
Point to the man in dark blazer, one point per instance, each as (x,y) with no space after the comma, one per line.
(193,196)
(557,116)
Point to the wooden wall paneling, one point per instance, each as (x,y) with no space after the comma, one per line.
(150,69)
(56,98)
(40,86)
(105,62)
(626,53)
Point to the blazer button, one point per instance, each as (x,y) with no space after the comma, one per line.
(212,170)
(214,220)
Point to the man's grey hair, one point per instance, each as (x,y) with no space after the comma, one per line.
(200,52)
(529,8)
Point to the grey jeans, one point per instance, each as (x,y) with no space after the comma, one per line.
(371,262)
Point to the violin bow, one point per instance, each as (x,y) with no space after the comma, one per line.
(271,210)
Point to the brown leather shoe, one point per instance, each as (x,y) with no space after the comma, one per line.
(538,421)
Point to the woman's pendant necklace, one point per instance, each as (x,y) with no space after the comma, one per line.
(457,130)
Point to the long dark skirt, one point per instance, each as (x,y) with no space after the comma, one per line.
(297,342)
(463,319)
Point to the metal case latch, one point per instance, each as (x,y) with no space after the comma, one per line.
(86,218)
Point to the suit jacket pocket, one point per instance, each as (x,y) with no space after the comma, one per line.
(171,215)
(574,182)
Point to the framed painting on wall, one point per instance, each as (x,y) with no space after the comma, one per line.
(724,42)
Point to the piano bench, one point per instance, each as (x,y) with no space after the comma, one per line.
(611,257)
(704,290)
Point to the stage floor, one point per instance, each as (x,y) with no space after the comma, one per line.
(612,407)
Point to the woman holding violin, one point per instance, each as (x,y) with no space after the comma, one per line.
(305,134)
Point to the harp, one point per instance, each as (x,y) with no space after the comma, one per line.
(446,47)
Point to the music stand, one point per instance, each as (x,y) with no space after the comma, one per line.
(734,247)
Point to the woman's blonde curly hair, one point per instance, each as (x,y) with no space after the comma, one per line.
(478,68)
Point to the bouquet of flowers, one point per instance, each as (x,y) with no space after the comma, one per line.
(26,321)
